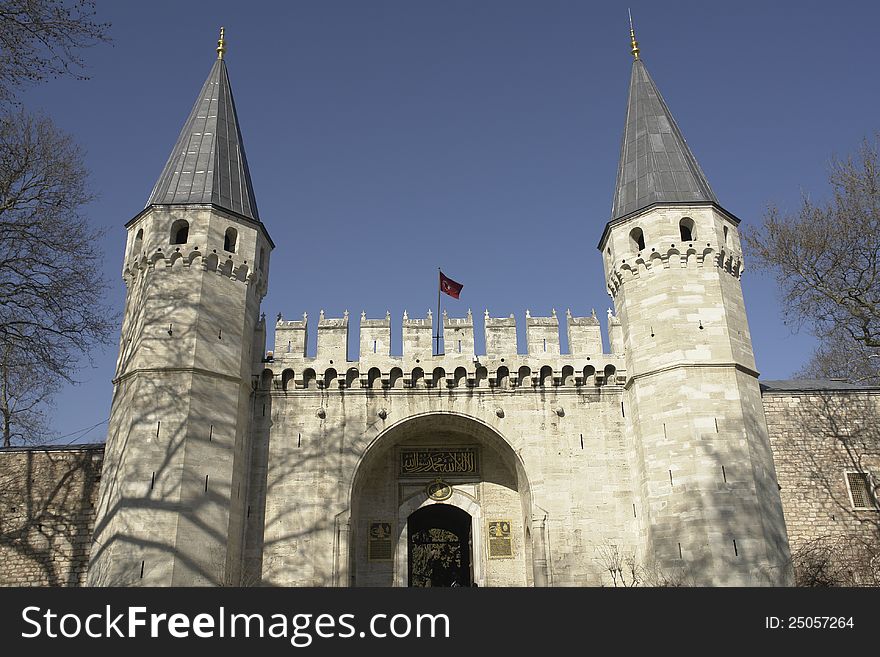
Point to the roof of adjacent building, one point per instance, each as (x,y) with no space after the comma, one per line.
(656,165)
(208,163)
(795,385)
(75,447)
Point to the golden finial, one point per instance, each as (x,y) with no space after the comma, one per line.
(221,45)
(632,36)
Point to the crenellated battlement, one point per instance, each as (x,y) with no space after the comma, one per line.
(192,258)
(644,263)
(459,367)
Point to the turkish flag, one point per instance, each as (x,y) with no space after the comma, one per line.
(449,286)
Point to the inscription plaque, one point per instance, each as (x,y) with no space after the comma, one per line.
(500,541)
(417,462)
(380,546)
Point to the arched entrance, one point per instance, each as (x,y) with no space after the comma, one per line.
(439,547)
(434,496)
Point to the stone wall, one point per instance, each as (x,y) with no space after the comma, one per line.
(556,464)
(817,437)
(48,495)
(47,514)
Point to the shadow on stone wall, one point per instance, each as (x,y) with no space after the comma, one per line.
(822,437)
(47,511)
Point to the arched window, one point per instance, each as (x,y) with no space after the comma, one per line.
(139,243)
(589,375)
(687,230)
(610,372)
(286,378)
(180,232)
(637,239)
(725,236)
(229,239)
(266,379)
(262,258)
(502,377)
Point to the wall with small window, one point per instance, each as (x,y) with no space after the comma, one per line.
(826,448)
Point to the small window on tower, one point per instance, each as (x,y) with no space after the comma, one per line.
(229,239)
(138,242)
(687,230)
(725,236)
(179,232)
(637,239)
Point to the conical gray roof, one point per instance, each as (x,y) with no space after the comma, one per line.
(208,164)
(656,165)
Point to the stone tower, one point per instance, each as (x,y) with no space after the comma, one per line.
(195,268)
(702,463)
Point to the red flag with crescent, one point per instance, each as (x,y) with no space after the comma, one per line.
(449,286)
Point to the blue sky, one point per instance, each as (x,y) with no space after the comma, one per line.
(387,138)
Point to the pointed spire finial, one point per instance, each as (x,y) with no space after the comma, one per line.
(221,44)
(632,37)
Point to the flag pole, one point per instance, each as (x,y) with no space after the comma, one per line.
(437,334)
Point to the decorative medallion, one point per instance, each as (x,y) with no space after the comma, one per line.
(438,490)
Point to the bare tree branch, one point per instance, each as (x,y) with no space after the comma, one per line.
(41,39)
(825,258)
(52,293)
